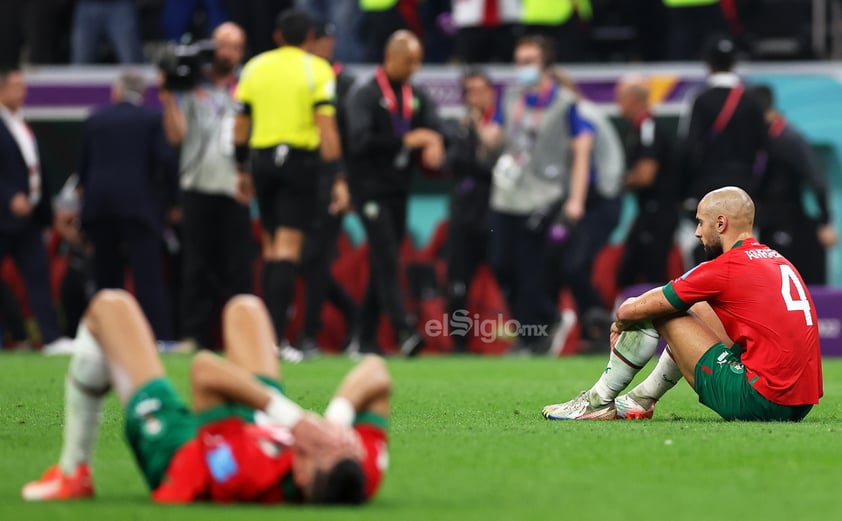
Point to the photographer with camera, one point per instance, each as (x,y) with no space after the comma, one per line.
(214,194)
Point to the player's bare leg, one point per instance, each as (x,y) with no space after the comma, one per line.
(639,403)
(249,350)
(630,351)
(114,347)
(689,337)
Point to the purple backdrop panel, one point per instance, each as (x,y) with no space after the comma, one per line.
(828,302)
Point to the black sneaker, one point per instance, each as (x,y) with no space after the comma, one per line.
(412,344)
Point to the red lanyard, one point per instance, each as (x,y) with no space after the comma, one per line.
(400,122)
(777,126)
(337,68)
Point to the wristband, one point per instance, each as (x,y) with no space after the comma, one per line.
(241,154)
(283,410)
(334,168)
(340,411)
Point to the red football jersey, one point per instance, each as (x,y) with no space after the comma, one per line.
(765,307)
(234,461)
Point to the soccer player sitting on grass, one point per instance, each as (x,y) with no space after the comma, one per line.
(741,328)
(246,441)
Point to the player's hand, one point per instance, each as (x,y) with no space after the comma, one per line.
(340,197)
(20,205)
(827,236)
(574,210)
(314,435)
(245,188)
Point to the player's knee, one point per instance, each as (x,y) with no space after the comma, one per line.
(107,302)
(201,369)
(377,372)
(243,303)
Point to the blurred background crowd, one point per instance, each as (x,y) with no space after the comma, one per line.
(467,31)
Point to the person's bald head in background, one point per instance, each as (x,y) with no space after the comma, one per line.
(229,42)
(724,216)
(632,95)
(402,56)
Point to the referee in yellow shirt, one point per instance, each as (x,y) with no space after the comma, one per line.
(286,117)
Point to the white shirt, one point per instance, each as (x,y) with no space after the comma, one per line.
(28,149)
(469,13)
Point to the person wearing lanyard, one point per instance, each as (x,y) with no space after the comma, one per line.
(287,116)
(783,222)
(393,125)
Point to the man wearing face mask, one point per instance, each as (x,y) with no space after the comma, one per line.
(214,195)
(554,198)
(391,125)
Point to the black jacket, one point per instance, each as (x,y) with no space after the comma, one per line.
(727,158)
(14,178)
(792,166)
(470,199)
(373,144)
(122,166)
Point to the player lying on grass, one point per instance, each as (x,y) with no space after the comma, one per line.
(245,440)
(741,328)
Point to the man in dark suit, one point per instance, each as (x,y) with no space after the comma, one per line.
(25,208)
(126,190)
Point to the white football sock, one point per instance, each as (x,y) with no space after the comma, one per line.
(663,378)
(632,351)
(86,384)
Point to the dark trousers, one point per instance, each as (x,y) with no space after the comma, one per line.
(10,315)
(376,28)
(485,44)
(118,242)
(572,262)
(690,28)
(77,288)
(647,248)
(218,256)
(385,226)
(319,252)
(467,249)
(26,247)
(517,256)
(40,25)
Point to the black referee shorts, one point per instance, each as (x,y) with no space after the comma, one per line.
(286,182)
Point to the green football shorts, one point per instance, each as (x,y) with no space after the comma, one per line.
(158,423)
(722,385)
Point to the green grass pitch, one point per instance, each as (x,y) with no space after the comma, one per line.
(468,442)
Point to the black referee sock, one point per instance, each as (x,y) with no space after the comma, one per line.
(278,289)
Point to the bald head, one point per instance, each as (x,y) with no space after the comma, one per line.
(724,217)
(229,41)
(732,203)
(632,94)
(402,56)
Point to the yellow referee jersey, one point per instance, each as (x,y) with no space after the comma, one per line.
(283,89)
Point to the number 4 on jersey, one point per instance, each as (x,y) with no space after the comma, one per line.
(788,280)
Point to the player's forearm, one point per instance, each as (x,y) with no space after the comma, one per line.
(652,304)
(368,381)
(642,174)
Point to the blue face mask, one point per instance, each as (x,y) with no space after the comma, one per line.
(527,75)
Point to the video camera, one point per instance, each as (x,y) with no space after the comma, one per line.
(183,64)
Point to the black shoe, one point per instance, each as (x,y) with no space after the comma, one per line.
(359,347)
(412,343)
(308,347)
